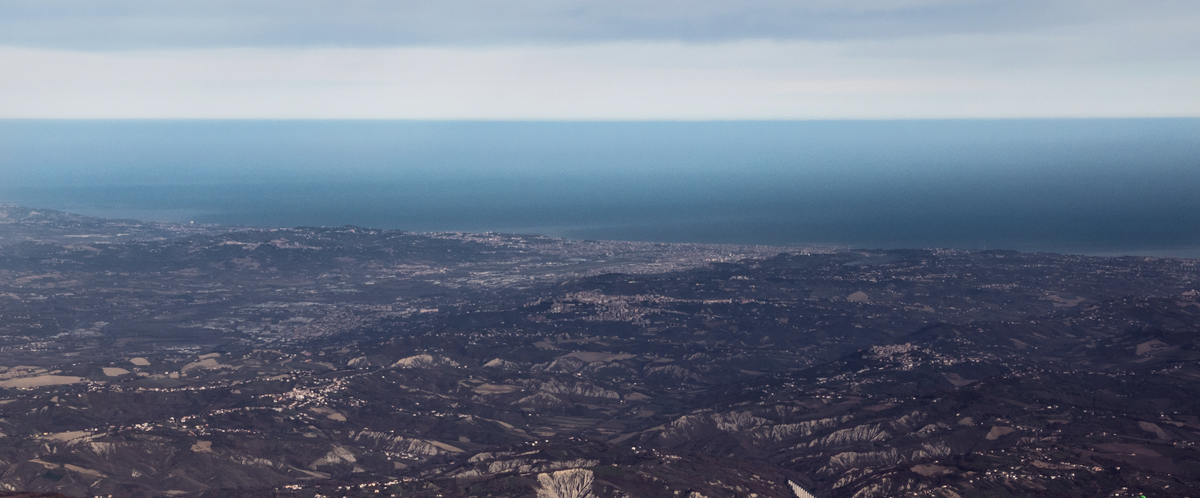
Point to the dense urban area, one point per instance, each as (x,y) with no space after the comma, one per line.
(158,359)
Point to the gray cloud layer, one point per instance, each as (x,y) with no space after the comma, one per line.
(161,24)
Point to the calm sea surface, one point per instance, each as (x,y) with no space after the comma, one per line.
(1122,186)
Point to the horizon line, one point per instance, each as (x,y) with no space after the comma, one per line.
(607,120)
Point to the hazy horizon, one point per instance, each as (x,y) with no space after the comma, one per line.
(1079,186)
(1065,125)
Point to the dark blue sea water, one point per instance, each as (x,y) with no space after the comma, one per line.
(1121,186)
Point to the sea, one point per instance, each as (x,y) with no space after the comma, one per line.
(1081,186)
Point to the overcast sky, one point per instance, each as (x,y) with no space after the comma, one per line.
(611,59)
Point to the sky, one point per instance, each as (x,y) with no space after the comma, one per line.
(598,60)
